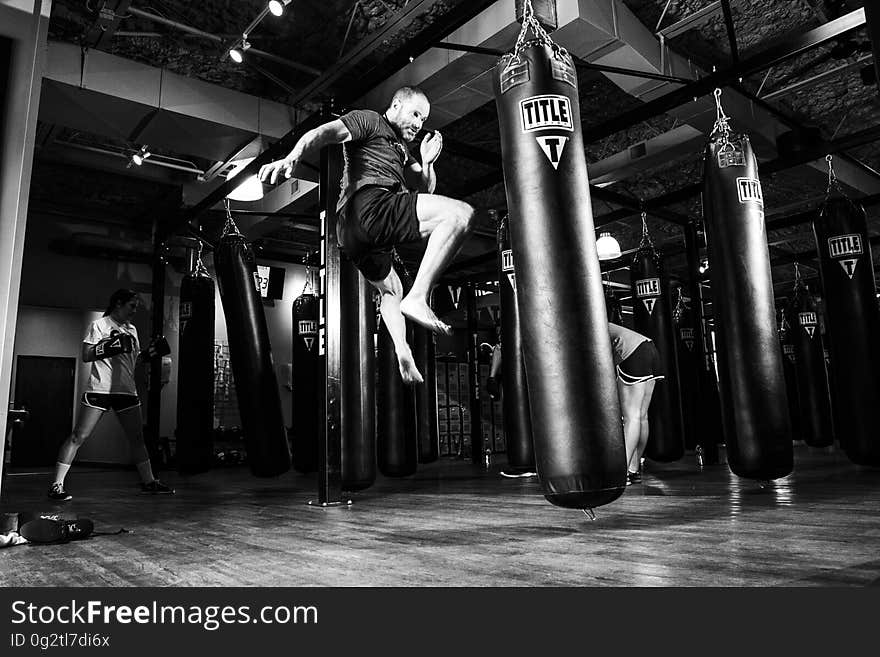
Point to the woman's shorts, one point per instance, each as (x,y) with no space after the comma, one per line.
(105,401)
(374,221)
(641,365)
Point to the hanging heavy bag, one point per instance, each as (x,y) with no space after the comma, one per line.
(250,355)
(688,364)
(426,395)
(853,321)
(357,387)
(809,367)
(613,307)
(576,428)
(789,368)
(652,314)
(515,405)
(306,379)
(754,404)
(195,372)
(396,431)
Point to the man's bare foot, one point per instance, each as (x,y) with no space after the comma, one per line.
(408,370)
(421,313)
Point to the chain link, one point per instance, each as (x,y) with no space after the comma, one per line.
(200,268)
(832,178)
(646,242)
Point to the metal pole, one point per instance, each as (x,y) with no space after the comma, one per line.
(157,326)
(473,347)
(872,17)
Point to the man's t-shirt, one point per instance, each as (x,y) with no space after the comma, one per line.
(624,342)
(374,156)
(115,374)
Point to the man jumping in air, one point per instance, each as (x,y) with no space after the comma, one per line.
(387,199)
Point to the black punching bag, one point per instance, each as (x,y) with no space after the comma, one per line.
(357,388)
(306,380)
(576,428)
(652,314)
(809,367)
(789,368)
(397,449)
(754,405)
(689,358)
(426,395)
(250,354)
(853,322)
(515,399)
(613,307)
(195,373)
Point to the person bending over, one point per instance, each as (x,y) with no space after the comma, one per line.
(388,199)
(112,348)
(638,368)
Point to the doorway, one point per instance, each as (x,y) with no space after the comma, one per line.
(44,385)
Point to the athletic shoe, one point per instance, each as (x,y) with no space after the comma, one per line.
(58,494)
(156,487)
(48,530)
(633,478)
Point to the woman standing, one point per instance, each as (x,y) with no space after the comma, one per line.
(113,349)
(638,368)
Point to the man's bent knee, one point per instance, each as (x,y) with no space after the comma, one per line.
(465,216)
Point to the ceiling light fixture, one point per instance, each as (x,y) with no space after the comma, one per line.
(235,55)
(276,7)
(250,189)
(139,156)
(607,247)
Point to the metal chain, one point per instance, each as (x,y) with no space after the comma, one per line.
(399,262)
(529,21)
(722,122)
(646,237)
(308,287)
(200,269)
(832,178)
(230,226)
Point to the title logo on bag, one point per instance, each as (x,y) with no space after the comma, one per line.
(788,350)
(307,329)
(749,189)
(687,336)
(648,289)
(507,267)
(841,247)
(546,112)
(808,321)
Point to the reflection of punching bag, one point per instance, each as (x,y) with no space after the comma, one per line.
(652,314)
(688,369)
(396,431)
(812,388)
(789,367)
(853,321)
(754,405)
(250,354)
(305,380)
(426,395)
(357,387)
(195,373)
(515,399)
(576,428)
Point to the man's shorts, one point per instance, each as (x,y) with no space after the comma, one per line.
(641,365)
(372,222)
(105,401)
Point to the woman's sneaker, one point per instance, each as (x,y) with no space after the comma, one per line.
(156,487)
(58,494)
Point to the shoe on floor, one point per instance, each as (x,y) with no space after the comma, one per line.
(633,478)
(47,530)
(156,487)
(58,494)
(516,474)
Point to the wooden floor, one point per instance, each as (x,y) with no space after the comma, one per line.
(454,524)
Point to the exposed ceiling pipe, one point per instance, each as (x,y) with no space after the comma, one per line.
(213,37)
(151,160)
